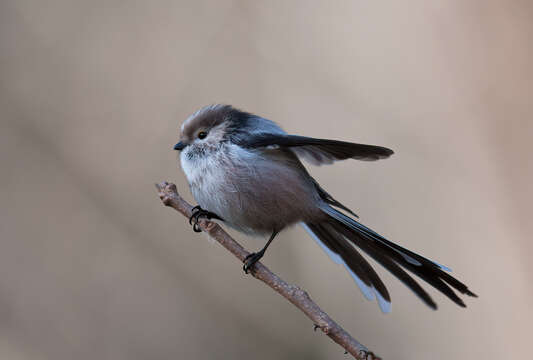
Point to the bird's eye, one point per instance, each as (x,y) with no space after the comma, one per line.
(202,134)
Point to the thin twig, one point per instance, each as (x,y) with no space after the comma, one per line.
(298,297)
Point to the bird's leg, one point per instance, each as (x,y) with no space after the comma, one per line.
(252,258)
(198,212)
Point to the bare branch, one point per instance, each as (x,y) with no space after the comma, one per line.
(298,297)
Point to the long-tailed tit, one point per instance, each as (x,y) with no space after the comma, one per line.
(246,171)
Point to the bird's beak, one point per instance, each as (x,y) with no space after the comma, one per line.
(180,146)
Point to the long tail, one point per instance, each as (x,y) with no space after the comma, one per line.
(339,233)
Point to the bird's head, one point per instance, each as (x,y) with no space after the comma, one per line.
(206,129)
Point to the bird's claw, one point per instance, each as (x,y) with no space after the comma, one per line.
(194,211)
(250,260)
(198,212)
(368,355)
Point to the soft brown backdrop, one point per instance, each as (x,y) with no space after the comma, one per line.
(92,266)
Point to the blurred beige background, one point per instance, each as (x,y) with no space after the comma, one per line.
(92,266)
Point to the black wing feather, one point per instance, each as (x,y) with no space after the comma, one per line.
(318,151)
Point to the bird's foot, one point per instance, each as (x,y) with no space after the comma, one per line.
(197,213)
(368,355)
(250,260)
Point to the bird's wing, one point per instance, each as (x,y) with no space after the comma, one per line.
(318,151)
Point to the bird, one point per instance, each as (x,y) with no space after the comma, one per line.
(247,172)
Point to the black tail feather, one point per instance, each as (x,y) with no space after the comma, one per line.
(393,257)
(426,263)
(422,271)
(383,258)
(351,258)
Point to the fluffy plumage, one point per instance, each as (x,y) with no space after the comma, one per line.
(247,170)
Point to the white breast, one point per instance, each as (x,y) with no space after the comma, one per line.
(254,192)
(211,179)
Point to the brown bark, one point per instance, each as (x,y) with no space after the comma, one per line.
(298,297)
